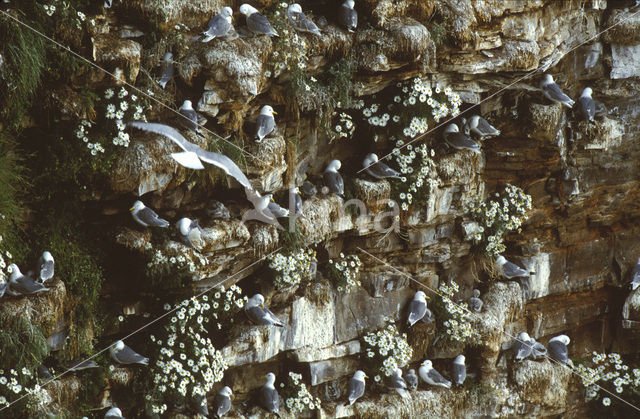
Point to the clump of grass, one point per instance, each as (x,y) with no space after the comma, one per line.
(22,344)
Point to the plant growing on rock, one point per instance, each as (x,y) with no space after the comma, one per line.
(297,397)
(18,383)
(386,350)
(418,171)
(172,262)
(344,271)
(497,216)
(291,269)
(455,317)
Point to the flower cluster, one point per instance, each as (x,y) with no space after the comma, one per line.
(610,372)
(344,127)
(188,364)
(118,110)
(458,324)
(497,216)
(290,48)
(298,399)
(418,172)
(16,384)
(344,271)
(66,11)
(293,268)
(386,350)
(173,260)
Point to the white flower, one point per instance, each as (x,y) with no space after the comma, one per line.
(108,94)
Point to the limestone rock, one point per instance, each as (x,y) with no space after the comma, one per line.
(117,53)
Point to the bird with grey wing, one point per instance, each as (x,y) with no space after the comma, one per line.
(46,266)
(479,126)
(333,179)
(123,354)
(412,379)
(347,15)
(300,21)
(264,209)
(459,370)
(558,349)
(190,118)
(522,347)
(167,69)
(269,398)
(20,284)
(418,309)
(586,105)
(266,123)
(456,139)
(81,365)
(190,232)
(4,285)
(219,25)
(429,375)
(257,23)
(259,314)
(146,217)
(635,276)
(113,413)
(538,350)
(356,387)
(475,303)
(398,383)
(222,402)
(509,269)
(378,169)
(295,201)
(308,189)
(553,92)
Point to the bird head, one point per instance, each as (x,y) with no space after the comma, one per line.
(226,391)
(247,9)
(451,128)
(524,337)
(420,295)
(271,378)
(226,11)
(334,165)
(412,371)
(256,301)
(501,260)
(460,359)
(167,57)
(46,255)
(360,375)
(587,92)
(183,225)
(295,7)
(14,271)
(398,372)
(267,110)
(350,4)
(187,105)
(547,79)
(118,346)
(137,206)
(476,293)
(427,363)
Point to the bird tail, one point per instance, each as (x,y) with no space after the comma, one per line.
(145,361)
(163,83)
(404,393)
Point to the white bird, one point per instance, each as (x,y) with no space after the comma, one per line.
(257,23)
(458,140)
(300,21)
(538,350)
(295,200)
(113,413)
(81,365)
(356,387)
(190,232)
(412,379)
(222,402)
(259,314)
(146,217)
(475,303)
(510,270)
(430,376)
(46,266)
(266,123)
(262,208)
(123,354)
(553,92)
(479,126)
(587,106)
(418,309)
(269,399)
(459,370)
(558,348)
(20,284)
(378,169)
(4,285)
(333,179)
(399,384)
(219,25)
(522,346)
(635,276)
(167,69)
(190,118)
(347,15)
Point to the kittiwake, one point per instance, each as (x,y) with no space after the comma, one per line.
(257,23)
(475,303)
(46,266)
(259,314)
(295,201)
(378,169)
(219,25)
(113,413)
(587,106)
(553,92)
(269,399)
(399,384)
(522,346)
(190,118)
(356,386)
(146,217)
(459,370)
(510,270)
(167,69)
(123,354)
(20,284)
(222,402)
(558,348)
(308,189)
(412,379)
(479,126)
(418,309)
(190,232)
(347,15)
(458,140)
(538,350)
(300,21)
(81,365)
(430,376)
(266,123)
(333,179)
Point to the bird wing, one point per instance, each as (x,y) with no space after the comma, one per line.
(459,373)
(523,350)
(334,182)
(264,125)
(302,23)
(437,378)
(218,26)
(558,351)
(486,128)
(226,164)
(475,304)
(149,216)
(277,210)
(258,23)
(511,270)
(272,317)
(128,356)
(47,270)
(165,131)
(460,141)
(347,17)
(356,390)
(380,170)
(297,203)
(167,74)
(412,381)
(398,382)
(26,285)
(269,398)
(555,93)
(538,350)
(188,159)
(587,107)
(190,119)
(417,310)
(222,404)
(257,315)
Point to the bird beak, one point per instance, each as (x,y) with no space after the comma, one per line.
(273,200)
(274,112)
(262,306)
(131,209)
(366,376)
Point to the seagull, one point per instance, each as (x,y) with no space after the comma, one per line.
(458,140)
(430,376)
(269,399)
(265,124)
(219,25)
(308,189)
(558,348)
(44,374)
(218,210)
(587,105)
(113,413)
(522,347)
(222,402)
(259,314)
(475,303)
(296,200)
(412,379)
(635,276)
(190,232)
(191,119)
(510,270)
(3,287)
(262,208)
(300,21)
(553,92)
(123,354)
(418,309)
(167,69)
(347,15)
(538,351)
(86,364)
(20,284)
(333,179)
(146,217)
(47,265)
(459,370)
(399,384)
(257,23)
(356,387)
(193,154)
(378,169)
(479,126)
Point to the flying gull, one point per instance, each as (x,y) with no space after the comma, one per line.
(300,21)
(265,124)
(333,179)
(46,266)
(269,399)
(553,92)
(123,354)
(587,106)
(20,284)
(222,402)
(262,206)
(475,303)
(146,217)
(113,413)
(193,155)
(219,25)
(458,140)
(418,309)
(378,169)
(259,314)
(167,69)
(459,370)
(479,126)
(257,23)
(191,119)
(412,379)
(635,276)
(218,210)
(190,232)
(522,346)
(430,376)
(347,15)
(308,189)
(558,348)
(356,387)
(510,270)
(399,384)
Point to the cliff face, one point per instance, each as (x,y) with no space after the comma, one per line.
(580,240)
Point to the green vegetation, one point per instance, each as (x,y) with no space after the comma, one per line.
(22,343)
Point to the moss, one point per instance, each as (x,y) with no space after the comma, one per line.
(438,33)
